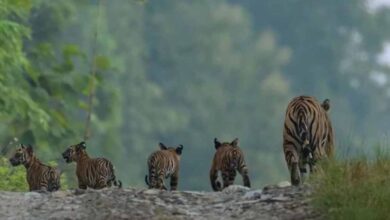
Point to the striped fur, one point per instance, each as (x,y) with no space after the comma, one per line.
(95,173)
(40,177)
(164,164)
(228,159)
(307,136)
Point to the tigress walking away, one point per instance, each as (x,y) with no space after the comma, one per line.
(228,159)
(307,136)
(163,164)
(95,173)
(39,176)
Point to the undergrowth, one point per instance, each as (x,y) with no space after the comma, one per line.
(354,189)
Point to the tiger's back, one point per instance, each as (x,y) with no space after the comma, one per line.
(163,164)
(96,172)
(228,158)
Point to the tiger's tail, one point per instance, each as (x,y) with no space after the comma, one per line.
(53,180)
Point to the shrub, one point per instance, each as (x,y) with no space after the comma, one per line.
(12,178)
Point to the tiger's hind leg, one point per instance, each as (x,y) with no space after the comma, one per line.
(82,185)
(292,160)
(295,174)
(101,183)
(174,180)
(160,181)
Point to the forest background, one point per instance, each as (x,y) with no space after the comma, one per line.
(184,72)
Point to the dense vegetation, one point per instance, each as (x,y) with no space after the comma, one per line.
(184,72)
(354,189)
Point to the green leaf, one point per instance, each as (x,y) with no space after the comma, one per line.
(102,62)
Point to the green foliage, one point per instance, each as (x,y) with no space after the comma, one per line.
(17,105)
(354,189)
(12,178)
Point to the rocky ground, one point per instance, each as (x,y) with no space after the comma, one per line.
(235,202)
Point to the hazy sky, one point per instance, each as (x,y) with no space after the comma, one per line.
(377,3)
(385,56)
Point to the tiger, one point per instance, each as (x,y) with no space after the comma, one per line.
(307,135)
(228,159)
(40,177)
(163,164)
(95,173)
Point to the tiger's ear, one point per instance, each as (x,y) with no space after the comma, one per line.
(179,149)
(29,149)
(326,104)
(81,146)
(234,142)
(162,146)
(217,144)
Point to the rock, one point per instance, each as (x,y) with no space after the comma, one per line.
(151,191)
(61,194)
(255,194)
(235,189)
(32,195)
(235,202)
(79,191)
(284,184)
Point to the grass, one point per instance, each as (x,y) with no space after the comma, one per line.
(354,189)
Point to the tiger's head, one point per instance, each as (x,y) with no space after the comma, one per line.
(74,151)
(218,144)
(174,150)
(23,155)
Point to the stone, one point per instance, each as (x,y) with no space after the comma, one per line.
(284,184)
(235,189)
(151,191)
(255,194)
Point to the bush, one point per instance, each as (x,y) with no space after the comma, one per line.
(354,189)
(12,178)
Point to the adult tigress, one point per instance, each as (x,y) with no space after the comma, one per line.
(96,173)
(163,164)
(307,136)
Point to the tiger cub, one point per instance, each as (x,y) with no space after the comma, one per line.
(164,164)
(228,159)
(95,173)
(39,176)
